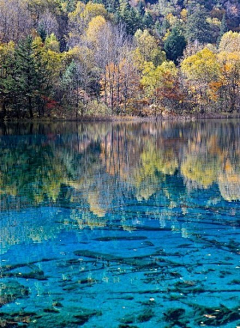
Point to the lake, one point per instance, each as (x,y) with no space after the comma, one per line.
(120,225)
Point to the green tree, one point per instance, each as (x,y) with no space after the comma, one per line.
(197,26)
(71,81)
(174,45)
(31,76)
(223,29)
(147,20)
(129,16)
(7,75)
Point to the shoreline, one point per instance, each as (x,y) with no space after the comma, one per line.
(131,119)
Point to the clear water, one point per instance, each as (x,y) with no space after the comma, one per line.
(120,225)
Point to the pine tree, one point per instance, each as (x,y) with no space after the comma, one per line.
(129,16)
(8,86)
(223,29)
(197,26)
(174,45)
(31,75)
(147,20)
(70,83)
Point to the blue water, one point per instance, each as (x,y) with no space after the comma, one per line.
(120,225)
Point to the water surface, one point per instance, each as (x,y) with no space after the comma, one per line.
(120,225)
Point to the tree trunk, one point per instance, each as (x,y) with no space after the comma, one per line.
(4,109)
(30,106)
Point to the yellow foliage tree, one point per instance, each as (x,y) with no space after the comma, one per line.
(82,16)
(229,90)
(147,49)
(159,84)
(95,27)
(201,70)
(230,42)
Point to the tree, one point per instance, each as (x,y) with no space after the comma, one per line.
(230,42)
(80,18)
(49,15)
(129,17)
(71,85)
(200,70)
(69,5)
(7,75)
(95,27)
(54,63)
(47,24)
(197,27)
(229,86)
(160,85)
(111,47)
(147,49)
(15,20)
(120,85)
(174,45)
(147,21)
(223,28)
(30,75)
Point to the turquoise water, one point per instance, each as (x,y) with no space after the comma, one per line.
(120,225)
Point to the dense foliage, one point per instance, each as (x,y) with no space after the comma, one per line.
(73,58)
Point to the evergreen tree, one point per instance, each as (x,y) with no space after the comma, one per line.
(147,20)
(164,26)
(42,32)
(223,29)
(141,8)
(71,5)
(197,26)
(130,17)
(30,75)
(174,45)
(7,77)
(70,83)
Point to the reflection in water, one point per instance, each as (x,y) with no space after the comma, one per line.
(125,216)
(50,165)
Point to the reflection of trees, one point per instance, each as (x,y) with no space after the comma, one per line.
(229,182)
(97,171)
(208,156)
(35,225)
(200,168)
(31,172)
(153,162)
(99,165)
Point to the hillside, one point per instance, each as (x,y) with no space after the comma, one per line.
(72,58)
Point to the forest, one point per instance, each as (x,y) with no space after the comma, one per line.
(70,59)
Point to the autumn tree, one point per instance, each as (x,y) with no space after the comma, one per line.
(15,20)
(120,86)
(230,42)
(112,48)
(49,17)
(81,17)
(160,85)
(200,70)
(147,49)
(228,88)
